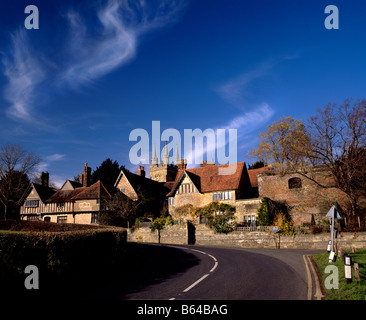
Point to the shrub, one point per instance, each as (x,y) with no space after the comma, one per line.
(284,223)
(220,216)
(268,209)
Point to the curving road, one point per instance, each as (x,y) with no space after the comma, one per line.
(174,272)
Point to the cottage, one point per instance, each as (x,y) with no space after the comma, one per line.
(75,202)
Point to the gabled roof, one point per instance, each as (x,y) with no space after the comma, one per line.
(44,193)
(147,185)
(253,175)
(95,191)
(209,179)
(73,184)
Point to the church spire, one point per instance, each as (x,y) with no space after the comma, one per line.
(176,159)
(154,159)
(166,154)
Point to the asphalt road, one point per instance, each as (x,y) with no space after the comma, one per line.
(173,272)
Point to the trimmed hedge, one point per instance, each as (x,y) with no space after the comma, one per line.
(24,225)
(65,260)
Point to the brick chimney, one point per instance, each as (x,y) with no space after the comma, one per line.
(81,176)
(45,179)
(207,164)
(141,171)
(182,165)
(86,176)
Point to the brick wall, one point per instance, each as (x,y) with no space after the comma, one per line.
(306,201)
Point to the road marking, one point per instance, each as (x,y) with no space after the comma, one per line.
(197,282)
(214,267)
(310,282)
(318,293)
(203,277)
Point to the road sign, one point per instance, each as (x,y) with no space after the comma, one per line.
(333,213)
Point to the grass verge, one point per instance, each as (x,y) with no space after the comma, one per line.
(356,290)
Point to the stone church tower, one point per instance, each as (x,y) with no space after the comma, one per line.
(165,172)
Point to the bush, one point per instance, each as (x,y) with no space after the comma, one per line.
(284,223)
(220,216)
(268,210)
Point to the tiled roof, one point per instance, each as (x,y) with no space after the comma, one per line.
(149,186)
(43,192)
(209,179)
(95,191)
(253,175)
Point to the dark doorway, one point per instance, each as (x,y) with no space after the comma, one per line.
(191,233)
(47,219)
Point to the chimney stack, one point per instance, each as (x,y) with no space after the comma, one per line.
(86,176)
(45,179)
(183,164)
(141,171)
(207,164)
(81,177)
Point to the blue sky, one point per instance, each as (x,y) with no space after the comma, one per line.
(73,90)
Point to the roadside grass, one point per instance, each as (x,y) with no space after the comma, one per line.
(356,290)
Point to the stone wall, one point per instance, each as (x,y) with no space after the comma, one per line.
(178,234)
(254,239)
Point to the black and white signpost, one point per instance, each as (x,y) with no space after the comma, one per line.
(333,215)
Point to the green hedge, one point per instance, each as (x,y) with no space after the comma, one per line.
(64,259)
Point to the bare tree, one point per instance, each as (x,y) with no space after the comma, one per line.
(338,143)
(15,165)
(332,143)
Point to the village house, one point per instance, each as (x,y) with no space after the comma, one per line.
(151,193)
(197,186)
(74,202)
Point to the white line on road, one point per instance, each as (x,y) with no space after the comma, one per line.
(197,282)
(214,267)
(203,277)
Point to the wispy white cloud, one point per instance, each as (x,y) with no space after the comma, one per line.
(24,73)
(238,92)
(55,157)
(95,45)
(251,120)
(122,22)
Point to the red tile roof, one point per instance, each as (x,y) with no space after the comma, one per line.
(253,175)
(95,191)
(208,179)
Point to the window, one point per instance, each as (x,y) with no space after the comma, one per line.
(171,201)
(60,206)
(33,217)
(221,195)
(61,219)
(32,204)
(294,183)
(250,221)
(94,217)
(185,188)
